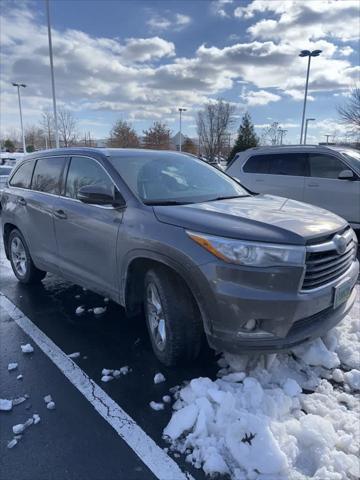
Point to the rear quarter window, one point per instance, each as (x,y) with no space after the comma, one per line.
(22,176)
(257,164)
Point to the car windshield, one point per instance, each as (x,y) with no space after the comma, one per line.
(175,179)
(353,158)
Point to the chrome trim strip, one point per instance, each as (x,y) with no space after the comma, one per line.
(330,245)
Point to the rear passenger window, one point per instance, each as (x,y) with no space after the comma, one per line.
(84,171)
(22,176)
(47,175)
(288,164)
(325,166)
(257,164)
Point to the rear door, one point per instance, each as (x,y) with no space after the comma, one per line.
(33,192)
(280,174)
(87,234)
(323,187)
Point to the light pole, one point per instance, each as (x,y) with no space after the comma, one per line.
(52,74)
(306,53)
(327,139)
(180,141)
(306,127)
(18,85)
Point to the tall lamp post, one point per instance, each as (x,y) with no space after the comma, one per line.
(52,74)
(306,127)
(309,54)
(18,85)
(180,141)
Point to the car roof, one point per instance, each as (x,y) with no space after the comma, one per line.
(107,152)
(294,148)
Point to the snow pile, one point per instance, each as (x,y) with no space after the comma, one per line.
(27,348)
(156,405)
(254,422)
(50,404)
(159,378)
(12,366)
(5,405)
(107,374)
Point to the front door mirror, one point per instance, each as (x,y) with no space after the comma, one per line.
(346,175)
(98,195)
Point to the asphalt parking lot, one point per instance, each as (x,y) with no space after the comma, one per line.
(73,441)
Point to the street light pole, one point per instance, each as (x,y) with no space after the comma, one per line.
(306,53)
(18,85)
(180,141)
(306,127)
(52,74)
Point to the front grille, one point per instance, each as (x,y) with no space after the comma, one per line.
(324,264)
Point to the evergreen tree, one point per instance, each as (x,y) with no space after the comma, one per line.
(247,137)
(123,135)
(157,137)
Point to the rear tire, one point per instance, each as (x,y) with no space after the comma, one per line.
(173,319)
(21,261)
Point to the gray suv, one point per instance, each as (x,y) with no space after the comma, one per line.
(168,233)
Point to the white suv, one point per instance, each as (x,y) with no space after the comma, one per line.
(326,176)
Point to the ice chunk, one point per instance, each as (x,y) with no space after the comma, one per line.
(292,388)
(106,371)
(159,378)
(99,310)
(352,378)
(74,355)
(12,443)
(19,428)
(122,371)
(234,377)
(47,398)
(27,348)
(50,405)
(214,463)
(5,404)
(338,375)
(36,418)
(12,366)
(80,310)
(181,421)
(107,378)
(106,300)
(156,406)
(315,353)
(19,377)
(166,398)
(18,400)
(28,422)
(77,297)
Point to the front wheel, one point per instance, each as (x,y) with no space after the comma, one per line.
(21,261)
(173,319)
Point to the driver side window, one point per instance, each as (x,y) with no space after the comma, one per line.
(325,166)
(83,172)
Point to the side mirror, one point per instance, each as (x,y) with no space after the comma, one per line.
(98,195)
(346,175)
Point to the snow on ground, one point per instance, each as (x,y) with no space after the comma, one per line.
(298,418)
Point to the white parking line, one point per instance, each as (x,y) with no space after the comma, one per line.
(162,466)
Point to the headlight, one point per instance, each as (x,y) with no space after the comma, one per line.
(251,254)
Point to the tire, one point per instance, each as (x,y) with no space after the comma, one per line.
(21,261)
(176,336)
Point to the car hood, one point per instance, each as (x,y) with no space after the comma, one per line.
(264,218)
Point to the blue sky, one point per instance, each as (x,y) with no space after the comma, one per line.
(141,60)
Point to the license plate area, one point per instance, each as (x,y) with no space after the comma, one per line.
(342,292)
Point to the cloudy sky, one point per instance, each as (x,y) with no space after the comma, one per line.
(141,60)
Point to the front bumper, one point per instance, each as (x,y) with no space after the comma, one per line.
(285,316)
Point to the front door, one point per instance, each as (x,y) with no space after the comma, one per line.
(87,234)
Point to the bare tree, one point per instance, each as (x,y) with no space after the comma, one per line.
(67,127)
(350,111)
(271,134)
(47,125)
(123,135)
(157,137)
(34,138)
(189,146)
(213,124)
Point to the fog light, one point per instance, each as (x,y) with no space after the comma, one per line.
(250,325)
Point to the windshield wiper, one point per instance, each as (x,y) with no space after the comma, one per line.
(227,197)
(165,202)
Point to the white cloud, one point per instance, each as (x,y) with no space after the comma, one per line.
(147,49)
(346,51)
(176,22)
(260,97)
(218,8)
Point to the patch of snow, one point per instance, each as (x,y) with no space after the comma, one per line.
(77,297)
(99,310)
(19,400)
(106,371)
(47,399)
(159,378)
(107,378)
(352,378)
(19,377)
(74,355)
(36,418)
(50,405)
(80,310)
(27,348)
(166,399)
(5,405)
(254,422)
(12,366)
(12,443)
(156,406)
(122,371)
(106,300)
(19,428)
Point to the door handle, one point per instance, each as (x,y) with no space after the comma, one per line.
(313,184)
(21,201)
(60,214)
